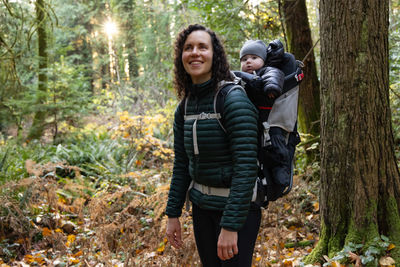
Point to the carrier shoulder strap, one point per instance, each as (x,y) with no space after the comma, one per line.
(229,85)
(293,71)
(219,99)
(224,88)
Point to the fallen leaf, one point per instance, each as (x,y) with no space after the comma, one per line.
(386,261)
(39,259)
(28,258)
(161,248)
(287,263)
(74,261)
(18,241)
(310,237)
(316,206)
(77,254)
(391,246)
(355,258)
(70,240)
(68,228)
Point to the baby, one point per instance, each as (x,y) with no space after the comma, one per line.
(264,84)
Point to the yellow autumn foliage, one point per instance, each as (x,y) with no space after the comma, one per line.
(70,240)
(140,132)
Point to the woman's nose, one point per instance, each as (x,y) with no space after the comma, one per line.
(195,51)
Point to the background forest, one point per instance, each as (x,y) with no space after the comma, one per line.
(86,109)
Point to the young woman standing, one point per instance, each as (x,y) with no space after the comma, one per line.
(218,168)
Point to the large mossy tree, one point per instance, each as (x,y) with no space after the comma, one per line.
(360,183)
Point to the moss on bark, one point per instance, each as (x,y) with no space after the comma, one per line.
(351,231)
(336,241)
(321,248)
(393,221)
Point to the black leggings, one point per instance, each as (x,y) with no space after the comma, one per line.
(206,231)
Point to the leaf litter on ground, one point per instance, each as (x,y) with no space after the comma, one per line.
(70,222)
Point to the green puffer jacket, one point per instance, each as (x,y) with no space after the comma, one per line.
(224,160)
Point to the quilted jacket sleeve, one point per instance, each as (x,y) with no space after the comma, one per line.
(180,177)
(240,120)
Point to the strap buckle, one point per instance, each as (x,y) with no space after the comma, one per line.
(203,116)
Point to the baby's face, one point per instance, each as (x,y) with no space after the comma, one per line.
(250,63)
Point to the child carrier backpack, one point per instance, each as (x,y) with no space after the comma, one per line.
(282,119)
(280,129)
(278,136)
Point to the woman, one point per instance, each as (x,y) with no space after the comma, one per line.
(219,169)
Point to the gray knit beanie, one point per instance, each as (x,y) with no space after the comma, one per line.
(254,47)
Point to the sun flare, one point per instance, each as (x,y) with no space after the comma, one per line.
(110,28)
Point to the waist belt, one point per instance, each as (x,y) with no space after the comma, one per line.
(201,116)
(209,190)
(219,191)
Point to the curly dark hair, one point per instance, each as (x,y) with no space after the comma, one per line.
(220,66)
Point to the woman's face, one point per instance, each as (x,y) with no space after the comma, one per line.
(197,56)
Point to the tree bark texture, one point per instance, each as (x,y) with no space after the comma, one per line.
(130,7)
(360,185)
(38,123)
(100,55)
(300,43)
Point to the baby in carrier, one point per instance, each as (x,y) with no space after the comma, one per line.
(264,70)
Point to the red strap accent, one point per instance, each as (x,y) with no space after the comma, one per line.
(261,107)
(300,77)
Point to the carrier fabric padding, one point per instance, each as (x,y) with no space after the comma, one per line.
(224,160)
(284,110)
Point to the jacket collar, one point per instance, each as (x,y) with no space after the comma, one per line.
(202,89)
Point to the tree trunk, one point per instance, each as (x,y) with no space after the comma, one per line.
(300,43)
(360,184)
(37,128)
(129,8)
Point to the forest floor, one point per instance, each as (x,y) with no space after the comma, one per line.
(76,222)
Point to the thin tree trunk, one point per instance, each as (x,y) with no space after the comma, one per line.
(37,128)
(360,184)
(300,43)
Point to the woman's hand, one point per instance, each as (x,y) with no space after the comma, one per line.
(227,244)
(174,232)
